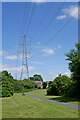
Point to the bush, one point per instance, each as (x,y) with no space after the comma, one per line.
(7,88)
(18,87)
(60,86)
(37,77)
(10,85)
(52,90)
(72,90)
(39,87)
(24,85)
(44,85)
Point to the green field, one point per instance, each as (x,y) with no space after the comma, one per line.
(19,106)
(43,93)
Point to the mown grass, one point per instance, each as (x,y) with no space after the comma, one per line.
(19,106)
(43,93)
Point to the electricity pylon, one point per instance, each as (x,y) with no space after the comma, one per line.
(24,59)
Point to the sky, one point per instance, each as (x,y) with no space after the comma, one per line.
(51,30)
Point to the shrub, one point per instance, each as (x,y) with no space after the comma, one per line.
(39,87)
(60,86)
(10,85)
(44,85)
(52,90)
(7,88)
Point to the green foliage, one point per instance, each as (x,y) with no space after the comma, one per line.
(31,78)
(29,84)
(24,85)
(60,86)
(7,87)
(74,57)
(10,85)
(24,107)
(6,74)
(44,85)
(6,82)
(64,85)
(18,87)
(39,87)
(37,78)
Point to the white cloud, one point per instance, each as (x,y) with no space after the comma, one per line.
(50,76)
(9,68)
(12,69)
(38,43)
(61,17)
(3,53)
(38,0)
(58,47)
(48,51)
(72,11)
(12,57)
(31,68)
(0,52)
(67,73)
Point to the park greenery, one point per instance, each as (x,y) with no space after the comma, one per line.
(10,85)
(60,86)
(43,93)
(36,77)
(19,106)
(44,85)
(68,86)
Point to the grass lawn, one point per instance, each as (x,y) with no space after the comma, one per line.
(43,92)
(19,106)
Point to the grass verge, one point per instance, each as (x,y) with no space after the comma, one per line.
(19,106)
(43,93)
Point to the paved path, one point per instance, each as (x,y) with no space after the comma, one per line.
(75,106)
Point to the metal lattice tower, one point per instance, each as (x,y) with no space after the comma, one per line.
(24,58)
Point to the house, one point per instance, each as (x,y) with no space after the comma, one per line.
(39,83)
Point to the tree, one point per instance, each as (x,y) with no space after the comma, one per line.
(44,85)
(37,77)
(6,83)
(6,74)
(31,78)
(7,88)
(18,86)
(60,85)
(74,57)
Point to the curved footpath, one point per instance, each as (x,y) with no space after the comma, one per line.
(75,106)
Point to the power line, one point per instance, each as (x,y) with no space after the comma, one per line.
(25,24)
(21,31)
(48,25)
(26,20)
(41,22)
(30,19)
(22,26)
(55,35)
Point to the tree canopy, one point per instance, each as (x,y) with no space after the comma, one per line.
(60,85)
(36,77)
(74,57)
(10,86)
(63,85)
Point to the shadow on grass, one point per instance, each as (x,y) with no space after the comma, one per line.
(64,99)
